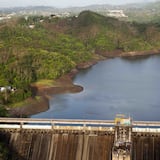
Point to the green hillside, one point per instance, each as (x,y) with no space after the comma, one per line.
(146,12)
(47,47)
(109,34)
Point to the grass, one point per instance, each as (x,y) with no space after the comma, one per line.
(25,102)
(19,104)
(45,82)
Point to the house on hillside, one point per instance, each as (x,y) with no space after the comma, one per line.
(7,88)
(31,26)
(116,13)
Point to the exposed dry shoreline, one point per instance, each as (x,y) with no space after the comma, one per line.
(62,85)
(65,84)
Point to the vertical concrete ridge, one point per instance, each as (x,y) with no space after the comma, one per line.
(50,154)
(146,148)
(85,147)
(53,147)
(79,148)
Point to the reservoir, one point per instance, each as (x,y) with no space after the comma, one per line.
(129,86)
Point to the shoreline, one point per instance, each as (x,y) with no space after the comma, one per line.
(62,85)
(65,84)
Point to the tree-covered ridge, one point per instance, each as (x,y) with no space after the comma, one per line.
(108,34)
(35,48)
(27,55)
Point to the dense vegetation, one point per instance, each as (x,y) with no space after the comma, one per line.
(35,48)
(145,12)
(4,151)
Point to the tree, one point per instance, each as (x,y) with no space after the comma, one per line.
(3,111)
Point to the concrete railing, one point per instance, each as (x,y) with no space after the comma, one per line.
(56,121)
(57,127)
(59,124)
(147,123)
(30,123)
(146,130)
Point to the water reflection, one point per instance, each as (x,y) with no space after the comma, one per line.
(129,86)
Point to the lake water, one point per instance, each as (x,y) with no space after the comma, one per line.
(127,86)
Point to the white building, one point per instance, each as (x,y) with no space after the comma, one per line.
(116,13)
(7,88)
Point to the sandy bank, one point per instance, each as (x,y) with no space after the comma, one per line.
(119,53)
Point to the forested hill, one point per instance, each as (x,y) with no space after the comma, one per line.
(37,47)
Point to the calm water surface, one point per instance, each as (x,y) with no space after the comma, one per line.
(129,86)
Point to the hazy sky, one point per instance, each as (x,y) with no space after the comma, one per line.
(64,3)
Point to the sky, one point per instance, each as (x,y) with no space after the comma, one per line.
(64,3)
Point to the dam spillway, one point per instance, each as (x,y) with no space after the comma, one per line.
(81,142)
(58,145)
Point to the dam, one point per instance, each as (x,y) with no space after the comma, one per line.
(55,139)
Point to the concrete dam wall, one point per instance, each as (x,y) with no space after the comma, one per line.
(146,147)
(32,145)
(74,145)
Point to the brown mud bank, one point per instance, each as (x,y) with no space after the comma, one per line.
(119,53)
(62,85)
(41,95)
(65,83)
(33,106)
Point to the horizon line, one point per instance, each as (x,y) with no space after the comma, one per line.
(58,7)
